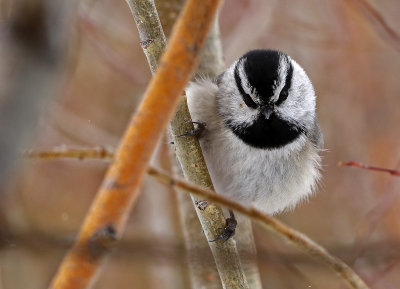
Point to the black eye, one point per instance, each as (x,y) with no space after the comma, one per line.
(248,100)
(282,96)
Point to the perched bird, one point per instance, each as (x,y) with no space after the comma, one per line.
(262,139)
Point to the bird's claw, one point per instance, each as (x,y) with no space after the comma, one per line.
(228,231)
(198,131)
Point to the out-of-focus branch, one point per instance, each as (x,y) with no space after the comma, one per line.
(33,41)
(367,167)
(188,150)
(113,60)
(272,224)
(107,217)
(173,251)
(379,23)
(98,153)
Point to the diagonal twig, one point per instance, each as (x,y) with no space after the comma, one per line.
(294,237)
(107,217)
(368,167)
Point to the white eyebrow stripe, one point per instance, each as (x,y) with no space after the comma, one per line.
(250,90)
(282,72)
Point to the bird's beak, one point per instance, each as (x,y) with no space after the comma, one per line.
(267,111)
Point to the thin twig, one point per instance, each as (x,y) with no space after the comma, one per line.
(107,217)
(272,224)
(368,167)
(98,153)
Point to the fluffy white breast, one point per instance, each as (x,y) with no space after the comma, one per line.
(270,180)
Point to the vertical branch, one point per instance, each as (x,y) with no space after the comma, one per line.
(190,156)
(202,269)
(107,217)
(195,170)
(211,64)
(151,33)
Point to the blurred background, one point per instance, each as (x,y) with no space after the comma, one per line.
(351,53)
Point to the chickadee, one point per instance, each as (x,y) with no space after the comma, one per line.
(262,138)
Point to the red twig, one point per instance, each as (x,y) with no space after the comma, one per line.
(368,167)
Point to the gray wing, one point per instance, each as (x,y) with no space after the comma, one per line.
(316,136)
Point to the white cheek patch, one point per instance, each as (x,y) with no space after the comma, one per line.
(299,107)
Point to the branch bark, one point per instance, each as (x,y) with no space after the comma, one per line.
(202,268)
(107,217)
(272,224)
(152,37)
(188,150)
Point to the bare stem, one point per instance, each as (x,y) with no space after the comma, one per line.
(201,265)
(368,167)
(151,33)
(188,151)
(272,224)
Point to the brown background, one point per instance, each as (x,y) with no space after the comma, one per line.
(354,65)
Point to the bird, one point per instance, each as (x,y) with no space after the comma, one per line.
(260,134)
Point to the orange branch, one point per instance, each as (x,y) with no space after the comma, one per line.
(107,217)
(367,167)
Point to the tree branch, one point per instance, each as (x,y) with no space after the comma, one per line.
(272,224)
(201,265)
(395,173)
(107,217)
(188,150)
(151,33)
